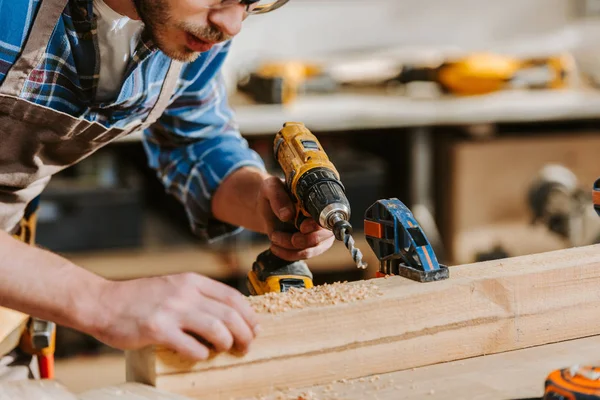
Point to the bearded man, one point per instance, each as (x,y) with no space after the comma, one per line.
(78,74)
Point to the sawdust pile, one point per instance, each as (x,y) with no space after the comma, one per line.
(327,294)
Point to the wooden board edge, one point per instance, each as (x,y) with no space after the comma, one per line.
(11,341)
(140,366)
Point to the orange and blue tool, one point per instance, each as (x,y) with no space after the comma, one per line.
(596,196)
(400,244)
(579,382)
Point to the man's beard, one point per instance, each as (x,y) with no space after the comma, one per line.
(156,16)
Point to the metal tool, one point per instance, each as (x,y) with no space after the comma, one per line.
(315,187)
(558,201)
(39,339)
(400,244)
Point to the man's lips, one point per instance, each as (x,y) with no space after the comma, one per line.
(197,44)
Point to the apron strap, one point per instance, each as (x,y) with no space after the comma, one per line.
(43,26)
(166,91)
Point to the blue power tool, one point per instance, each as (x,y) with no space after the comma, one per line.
(400,244)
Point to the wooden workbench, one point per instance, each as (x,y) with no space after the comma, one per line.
(353,111)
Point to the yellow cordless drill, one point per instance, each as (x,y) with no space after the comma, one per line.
(314,185)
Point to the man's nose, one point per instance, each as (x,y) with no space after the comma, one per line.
(229,20)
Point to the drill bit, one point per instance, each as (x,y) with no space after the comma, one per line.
(341,228)
(355,252)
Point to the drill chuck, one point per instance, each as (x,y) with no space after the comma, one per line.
(340,225)
(322,195)
(326,202)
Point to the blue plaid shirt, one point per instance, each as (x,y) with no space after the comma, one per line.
(193,146)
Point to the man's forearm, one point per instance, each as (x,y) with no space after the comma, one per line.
(45,285)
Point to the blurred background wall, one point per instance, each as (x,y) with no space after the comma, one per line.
(411,28)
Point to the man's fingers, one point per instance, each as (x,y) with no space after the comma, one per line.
(309,225)
(299,241)
(313,239)
(241,331)
(282,239)
(222,293)
(186,345)
(281,204)
(292,255)
(209,330)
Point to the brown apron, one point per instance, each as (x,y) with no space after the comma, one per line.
(37,142)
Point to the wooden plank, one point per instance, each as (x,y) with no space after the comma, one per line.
(512,375)
(12,324)
(484,308)
(34,390)
(129,391)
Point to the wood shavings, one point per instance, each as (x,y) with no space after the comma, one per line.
(322,295)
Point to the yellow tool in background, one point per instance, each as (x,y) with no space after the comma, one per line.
(315,187)
(483,73)
(281,82)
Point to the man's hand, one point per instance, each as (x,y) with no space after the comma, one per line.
(187,313)
(274,202)
(255,200)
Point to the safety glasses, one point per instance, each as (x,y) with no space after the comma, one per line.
(252,6)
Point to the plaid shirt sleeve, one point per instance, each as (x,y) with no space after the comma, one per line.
(196,144)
